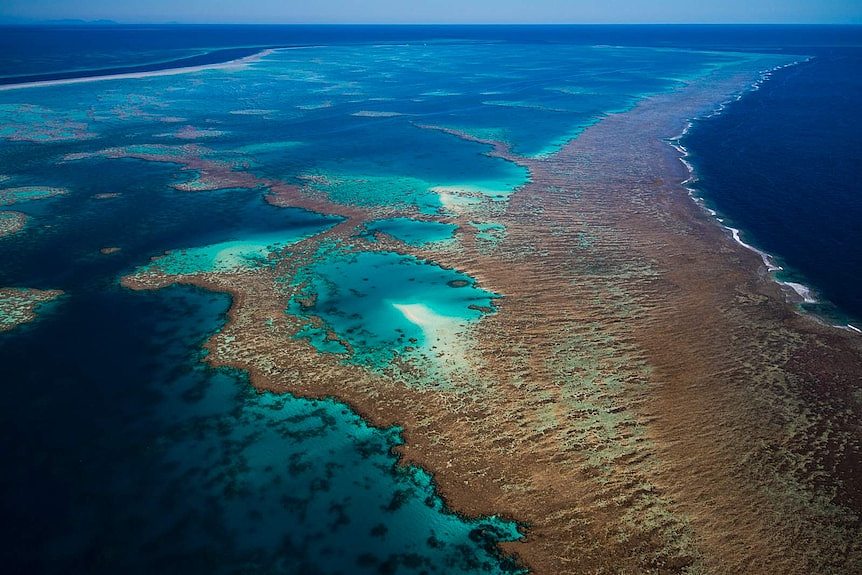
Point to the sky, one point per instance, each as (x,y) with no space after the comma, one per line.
(439,11)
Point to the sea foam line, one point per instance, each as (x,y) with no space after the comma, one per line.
(238,63)
(806,294)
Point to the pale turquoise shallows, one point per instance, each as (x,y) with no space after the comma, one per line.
(249,252)
(413,232)
(380,305)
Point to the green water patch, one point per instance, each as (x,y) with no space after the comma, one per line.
(413,232)
(10,196)
(379,306)
(249,252)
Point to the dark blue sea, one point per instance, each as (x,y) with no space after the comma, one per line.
(783,165)
(125,453)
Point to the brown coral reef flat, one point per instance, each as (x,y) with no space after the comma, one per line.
(11,222)
(643,401)
(19,306)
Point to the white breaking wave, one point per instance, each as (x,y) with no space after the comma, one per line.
(238,63)
(804,292)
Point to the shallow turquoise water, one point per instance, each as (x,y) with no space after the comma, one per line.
(382,305)
(157,463)
(296,476)
(12,196)
(347,116)
(413,232)
(251,251)
(491,232)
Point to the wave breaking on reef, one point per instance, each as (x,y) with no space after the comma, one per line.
(803,293)
(237,63)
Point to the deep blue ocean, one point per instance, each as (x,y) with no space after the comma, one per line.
(782,164)
(123,452)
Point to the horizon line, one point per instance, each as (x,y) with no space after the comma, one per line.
(109,22)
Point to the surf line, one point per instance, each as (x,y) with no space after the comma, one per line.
(238,63)
(805,293)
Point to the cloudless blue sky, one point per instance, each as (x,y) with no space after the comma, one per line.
(439,11)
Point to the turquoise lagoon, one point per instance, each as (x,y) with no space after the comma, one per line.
(384,305)
(248,252)
(412,231)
